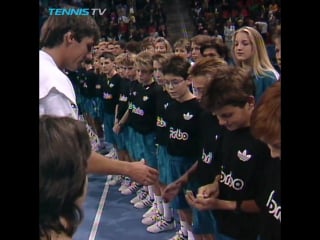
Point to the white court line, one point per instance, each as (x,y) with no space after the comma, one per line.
(97,218)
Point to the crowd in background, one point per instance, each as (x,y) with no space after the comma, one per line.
(134,20)
(126,20)
(130,94)
(216,17)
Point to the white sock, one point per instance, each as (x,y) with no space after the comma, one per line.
(151,192)
(185,227)
(167,212)
(190,235)
(159,201)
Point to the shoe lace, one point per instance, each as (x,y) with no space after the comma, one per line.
(162,223)
(133,187)
(179,236)
(143,195)
(157,216)
(147,201)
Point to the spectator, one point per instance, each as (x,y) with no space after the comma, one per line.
(64,150)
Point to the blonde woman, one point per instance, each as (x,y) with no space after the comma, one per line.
(249,51)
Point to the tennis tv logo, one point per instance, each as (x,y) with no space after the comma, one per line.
(76,11)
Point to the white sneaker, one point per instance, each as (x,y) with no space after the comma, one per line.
(109,178)
(112,154)
(115,180)
(151,219)
(131,189)
(179,236)
(147,202)
(141,194)
(151,210)
(190,235)
(162,226)
(125,183)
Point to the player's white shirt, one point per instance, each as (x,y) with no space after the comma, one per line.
(56,93)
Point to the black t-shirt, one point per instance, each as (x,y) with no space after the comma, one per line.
(90,83)
(75,80)
(162,132)
(183,121)
(134,87)
(85,83)
(98,81)
(208,168)
(72,75)
(124,92)
(243,159)
(111,93)
(270,202)
(142,108)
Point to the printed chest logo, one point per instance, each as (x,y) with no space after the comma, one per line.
(166,105)
(137,110)
(178,134)
(235,183)
(187,116)
(243,156)
(145,98)
(111,85)
(160,122)
(98,86)
(207,158)
(274,207)
(107,95)
(123,98)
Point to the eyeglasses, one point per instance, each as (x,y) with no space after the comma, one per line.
(173,83)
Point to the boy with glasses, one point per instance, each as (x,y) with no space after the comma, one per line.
(182,117)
